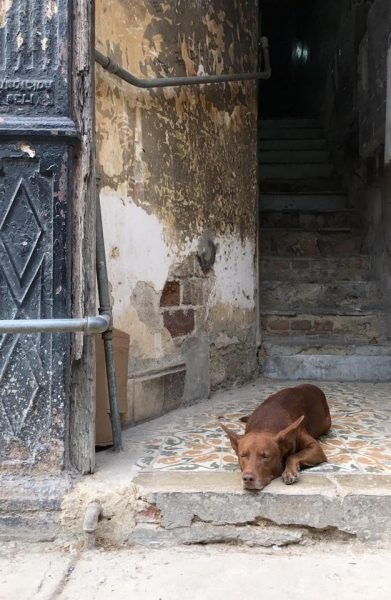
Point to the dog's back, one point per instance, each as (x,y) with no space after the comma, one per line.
(288,405)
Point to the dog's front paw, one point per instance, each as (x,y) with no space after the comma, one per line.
(290,476)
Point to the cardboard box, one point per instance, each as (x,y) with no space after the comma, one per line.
(121,356)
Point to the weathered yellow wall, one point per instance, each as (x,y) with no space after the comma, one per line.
(173,163)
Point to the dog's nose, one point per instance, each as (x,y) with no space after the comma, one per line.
(248,478)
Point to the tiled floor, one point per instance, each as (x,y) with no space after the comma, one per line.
(191,439)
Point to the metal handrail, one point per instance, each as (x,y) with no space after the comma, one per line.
(87,325)
(113,67)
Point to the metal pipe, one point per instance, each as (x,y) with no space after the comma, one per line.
(88,325)
(110,65)
(107,335)
(92,515)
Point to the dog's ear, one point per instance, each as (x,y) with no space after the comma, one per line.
(233,437)
(288,434)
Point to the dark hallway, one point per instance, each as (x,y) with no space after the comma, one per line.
(286,24)
(325,195)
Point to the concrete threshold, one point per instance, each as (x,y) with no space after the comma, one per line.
(175,508)
(189,508)
(184,508)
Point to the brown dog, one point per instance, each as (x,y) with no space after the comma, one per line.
(280,436)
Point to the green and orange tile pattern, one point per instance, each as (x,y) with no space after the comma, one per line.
(191,439)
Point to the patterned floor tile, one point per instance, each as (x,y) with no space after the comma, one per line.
(192,439)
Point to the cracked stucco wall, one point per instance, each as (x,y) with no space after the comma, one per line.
(173,163)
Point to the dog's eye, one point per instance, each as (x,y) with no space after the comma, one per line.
(264,456)
(244,455)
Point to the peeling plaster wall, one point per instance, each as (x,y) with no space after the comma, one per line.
(174,163)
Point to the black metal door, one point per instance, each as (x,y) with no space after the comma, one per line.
(37,135)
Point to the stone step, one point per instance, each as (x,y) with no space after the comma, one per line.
(290,171)
(280,242)
(289,123)
(310,185)
(315,269)
(288,219)
(290,295)
(293,203)
(273,345)
(325,360)
(200,508)
(350,324)
(296,156)
(314,144)
(298,133)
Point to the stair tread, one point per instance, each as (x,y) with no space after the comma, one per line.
(303,133)
(309,229)
(301,186)
(352,257)
(306,233)
(292,145)
(306,193)
(296,123)
(329,345)
(344,283)
(313,157)
(307,311)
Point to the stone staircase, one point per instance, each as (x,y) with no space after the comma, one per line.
(321,314)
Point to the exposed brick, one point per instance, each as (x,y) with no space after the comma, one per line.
(193,291)
(279,324)
(171,294)
(301,325)
(180,322)
(150,514)
(323,326)
(309,247)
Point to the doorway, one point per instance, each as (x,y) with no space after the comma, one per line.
(324,194)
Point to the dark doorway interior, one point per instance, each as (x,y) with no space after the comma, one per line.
(286,24)
(325,193)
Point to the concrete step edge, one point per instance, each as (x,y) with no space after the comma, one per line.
(320,312)
(327,367)
(326,348)
(343,283)
(309,229)
(295,123)
(355,231)
(305,194)
(322,259)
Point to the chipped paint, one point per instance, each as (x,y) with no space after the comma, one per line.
(51,9)
(19,40)
(174,162)
(45,43)
(28,150)
(235,284)
(5,5)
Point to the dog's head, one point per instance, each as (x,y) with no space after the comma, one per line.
(261,454)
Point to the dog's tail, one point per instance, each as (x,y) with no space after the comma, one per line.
(244,419)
